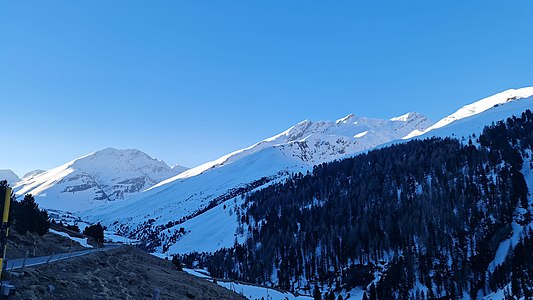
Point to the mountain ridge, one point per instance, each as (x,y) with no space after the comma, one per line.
(271,160)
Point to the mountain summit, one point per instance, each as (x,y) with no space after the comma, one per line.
(106,175)
(9,175)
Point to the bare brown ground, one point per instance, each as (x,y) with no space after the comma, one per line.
(122,273)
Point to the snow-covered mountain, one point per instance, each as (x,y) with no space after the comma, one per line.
(103,176)
(9,175)
(295,150)
(201,199)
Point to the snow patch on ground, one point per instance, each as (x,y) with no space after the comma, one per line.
(114,238)
(498,295)
(356,294)
(505,246)
(257,293)
(82,241)
(252,292)
(198,273)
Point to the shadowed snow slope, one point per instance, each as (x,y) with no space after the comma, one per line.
(183,197)
(96,178)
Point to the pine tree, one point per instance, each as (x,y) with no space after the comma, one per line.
(29,218)
(373,295)
(316,294)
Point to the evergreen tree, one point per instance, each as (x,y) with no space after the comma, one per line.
(29,218)
(316,294)
(177,263)
(95,231)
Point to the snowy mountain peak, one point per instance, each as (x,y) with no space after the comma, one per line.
(478,107)
(9,175)
(32,173)
(127,154)
(106,175)
(409,116)
(112,160)
(345,119)
(179,169)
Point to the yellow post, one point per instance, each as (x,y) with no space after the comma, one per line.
(7,203)
(4,233)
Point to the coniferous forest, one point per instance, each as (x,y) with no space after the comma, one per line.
(418,220)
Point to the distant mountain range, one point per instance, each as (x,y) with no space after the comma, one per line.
(142,197)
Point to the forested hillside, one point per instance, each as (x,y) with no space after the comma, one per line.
(423,219)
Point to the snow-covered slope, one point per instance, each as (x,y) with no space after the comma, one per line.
(96,178)
(509,98)
(9,175)
(225,179)
(315,142)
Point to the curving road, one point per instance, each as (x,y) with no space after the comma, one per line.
(13,264)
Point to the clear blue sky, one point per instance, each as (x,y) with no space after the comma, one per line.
(189,81)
